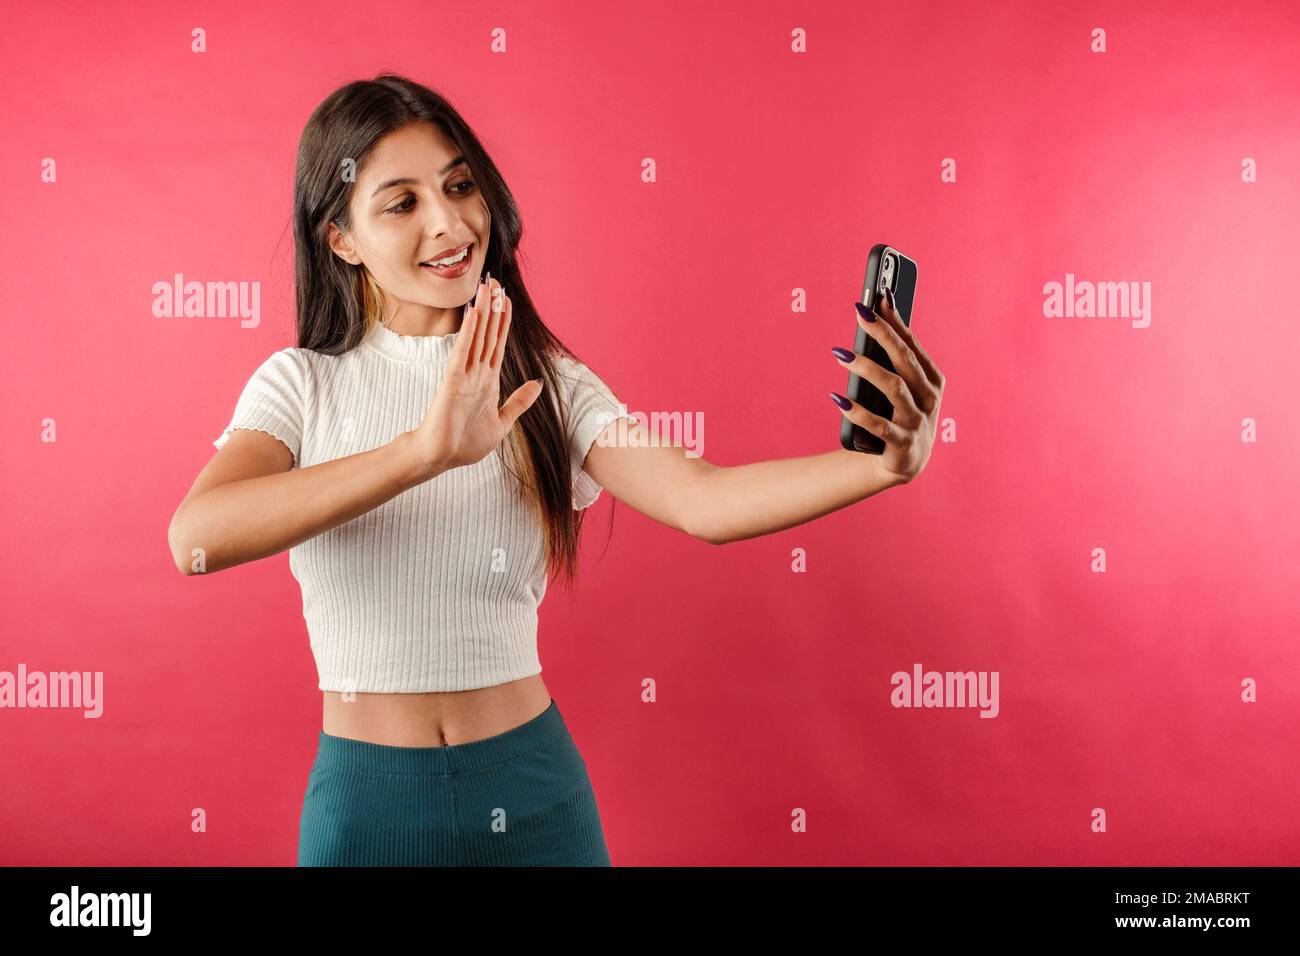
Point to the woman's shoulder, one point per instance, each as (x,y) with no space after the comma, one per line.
(562,359)
(571,367)
(295,368)
(310,361)
(286,366)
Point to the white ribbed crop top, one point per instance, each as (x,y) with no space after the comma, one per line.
(436,589)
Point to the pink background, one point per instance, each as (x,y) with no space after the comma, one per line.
(776,171)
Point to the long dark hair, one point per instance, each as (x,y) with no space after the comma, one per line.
(337,301)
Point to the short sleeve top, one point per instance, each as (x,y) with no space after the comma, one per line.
(438,588)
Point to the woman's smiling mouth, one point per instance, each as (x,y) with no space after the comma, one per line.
(454,266)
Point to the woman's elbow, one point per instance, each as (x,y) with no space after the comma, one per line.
(177,540)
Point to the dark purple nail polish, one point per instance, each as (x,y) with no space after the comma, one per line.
(864,312)
(889,293)
(841,401)
(843,355)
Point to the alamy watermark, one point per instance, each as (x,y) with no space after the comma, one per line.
(75,689)
(671,429)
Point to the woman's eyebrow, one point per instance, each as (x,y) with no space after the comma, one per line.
(407,180)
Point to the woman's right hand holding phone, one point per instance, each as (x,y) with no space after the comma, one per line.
(465,421)
(914,388)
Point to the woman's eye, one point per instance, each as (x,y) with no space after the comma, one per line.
(403,206)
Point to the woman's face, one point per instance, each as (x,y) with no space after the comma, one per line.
(411,203)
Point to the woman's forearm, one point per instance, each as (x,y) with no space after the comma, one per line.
(243,521)
(745,501)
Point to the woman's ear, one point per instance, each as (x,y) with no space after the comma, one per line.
(341,243)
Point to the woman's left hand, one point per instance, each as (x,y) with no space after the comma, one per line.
(914,388)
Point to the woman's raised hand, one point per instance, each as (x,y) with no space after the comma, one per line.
(464,421)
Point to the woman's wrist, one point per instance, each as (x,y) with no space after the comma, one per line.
(413,467)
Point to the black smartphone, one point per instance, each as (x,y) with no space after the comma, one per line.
(887,268)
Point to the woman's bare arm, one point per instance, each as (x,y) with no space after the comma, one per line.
(247,504)
(721,504)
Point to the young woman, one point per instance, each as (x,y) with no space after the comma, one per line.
(422,522)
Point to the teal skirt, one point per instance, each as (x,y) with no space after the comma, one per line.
(521,798)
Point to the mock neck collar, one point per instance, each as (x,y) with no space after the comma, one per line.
(410,348)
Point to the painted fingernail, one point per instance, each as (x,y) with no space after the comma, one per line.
(889,293)
(865,312)
(840,400)
(844,355)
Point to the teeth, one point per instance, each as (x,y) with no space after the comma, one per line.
(451,260)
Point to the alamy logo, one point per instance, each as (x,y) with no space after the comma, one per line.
(55,689)
(102,909)
(674,429)
(948,689)
(213,300)
(1098,300)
